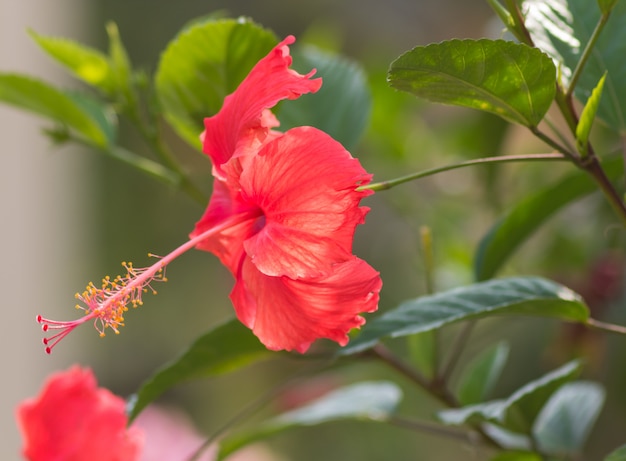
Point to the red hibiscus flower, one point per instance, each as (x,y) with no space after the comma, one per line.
(74,420)
(281,218)
(296,193)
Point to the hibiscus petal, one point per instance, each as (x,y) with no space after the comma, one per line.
(305,183)
(227,245)
(243,122)
(290,314)
(73,419)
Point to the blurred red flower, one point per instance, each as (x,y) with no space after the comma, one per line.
(73,419)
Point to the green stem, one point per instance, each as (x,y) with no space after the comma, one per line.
(519,28)
(150,167)
(584,57)
(481,161)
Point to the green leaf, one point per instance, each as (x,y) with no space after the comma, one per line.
(221,350)
(341,107)
(481,374)
(44,100)
(522,220)
(509,296)
(86,63)
(562,28)
(517,456)
(565,422)
(518,412)
(120,64)
(367,401)
(617,455)
(204,64)
(587,117)
(104,116)
(509,79)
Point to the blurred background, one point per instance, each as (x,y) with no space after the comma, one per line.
(70,216)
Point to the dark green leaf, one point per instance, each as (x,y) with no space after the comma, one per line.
(510,296)
(587,116)
(509,79)
(204,64)
(617,455)
(223,349)
(86,63)
(518,412)
(481,374)
(565,421)
(42,99)
(562,28)
(368,401)
(341,107)
(525,218)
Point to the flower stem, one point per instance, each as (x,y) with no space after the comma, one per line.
(481,161)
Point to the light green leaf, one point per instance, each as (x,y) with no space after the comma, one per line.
(509,296)
(509,79)
(120,64)
(481,374)
(45,100)
(565,422)
(562,28)
(204,64)
(86,63)
(522,220)
(341,107)
(617,455)
(367,401)
(587,117)
(518,412)
(221,350)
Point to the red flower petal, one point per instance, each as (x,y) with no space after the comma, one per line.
(290,314)
(243,123)
(227,245)
(304,182)
(74,420)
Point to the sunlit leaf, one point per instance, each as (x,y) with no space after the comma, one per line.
(523,219)
(481,374)
(204,64)
(45,100)
(88,64)
(567,418)
(562,28)
(341,107)
(367,401)
(509,79)
(510,296)
(223,349)
(518,412)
